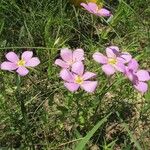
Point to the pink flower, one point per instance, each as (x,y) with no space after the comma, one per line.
(137,77)
(115,60)
(69,57)
(20,65)
(95,9)
(77,78)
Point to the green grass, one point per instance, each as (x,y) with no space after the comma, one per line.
(37,112)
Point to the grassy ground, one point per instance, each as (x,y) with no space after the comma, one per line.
(54,118)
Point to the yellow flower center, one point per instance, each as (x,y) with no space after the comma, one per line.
(79,80)
(112,61)
(21,62)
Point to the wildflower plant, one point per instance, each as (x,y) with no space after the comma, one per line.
(78,78)
(69,57)
(114,61)
(73,72)
(137,77)
(38,113)
(14,63)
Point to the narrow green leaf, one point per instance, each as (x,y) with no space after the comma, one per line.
(1,26)
(133,139)
(85,140)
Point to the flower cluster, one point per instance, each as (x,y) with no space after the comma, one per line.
(21,66)
(73,72)
(71,63)
(137,76)
(96,9)
(123,62)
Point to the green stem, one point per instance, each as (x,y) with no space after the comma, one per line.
(21,100)
(102,94)
(77,97)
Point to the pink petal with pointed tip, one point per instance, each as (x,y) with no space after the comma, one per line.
(78,68)
(6,65)
(143,75)
(89,86)
(71,86)
(100,58)
(108,69)
(27,55)
(11,56)
(141,87)
(66,75)
(22,71)
(78,55)
(61,63)
(66,54)
(88,75)
(34,61)
(104,12)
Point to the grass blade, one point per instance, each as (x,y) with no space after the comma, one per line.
(85,140)
(133,139)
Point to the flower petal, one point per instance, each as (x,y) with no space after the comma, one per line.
(11,56)
(66,75)
(120,67)
(89,86)
(27,55)
(141,86)
(86,7)
(112,51)
(88,75)
(143,75)
(104,12)
(22,71)
(131,75)
(133,65)
(61,63)
(34,61)
(78,55)
(71,86)
(66,54)
(100,58)
(108,69)
(93,7)
(126,57)
(6,65)
(78,68)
